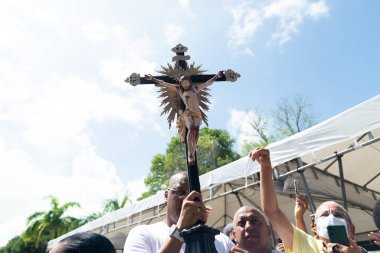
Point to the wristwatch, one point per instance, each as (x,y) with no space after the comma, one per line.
(173,232)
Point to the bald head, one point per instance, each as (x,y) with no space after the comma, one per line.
(251,230)
(176,178)
(177,190)
(248,209)
(328,206)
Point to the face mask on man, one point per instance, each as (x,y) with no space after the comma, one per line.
(324,221)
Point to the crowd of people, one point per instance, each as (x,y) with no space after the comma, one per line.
(249,232)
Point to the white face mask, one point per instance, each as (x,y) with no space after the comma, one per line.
(322,223)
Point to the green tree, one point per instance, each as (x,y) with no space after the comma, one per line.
(290,116)
(90,217)
(52,223)
(114,204)
(260,126)
(213,151)
(18,245)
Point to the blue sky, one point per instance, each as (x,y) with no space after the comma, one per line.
(70,126)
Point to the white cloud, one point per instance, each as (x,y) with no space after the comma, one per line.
(173,34)
(246,21)
(90,180)
(286,28)
(249,17)
(11,30)
(248,51)
(290,15)
(239,126)
(318,10)
(46,144)
(284,8)
(13,83)
(185,4)
(135,188)
(97,31)
(132,51)
(158,128)
(13,226)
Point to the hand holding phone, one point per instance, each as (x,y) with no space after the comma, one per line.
(338,234)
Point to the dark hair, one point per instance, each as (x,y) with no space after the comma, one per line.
(86,242)
(228,229)
(182,78)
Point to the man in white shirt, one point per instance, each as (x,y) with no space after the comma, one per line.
(182,213)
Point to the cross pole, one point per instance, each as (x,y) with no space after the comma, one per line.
(199,238)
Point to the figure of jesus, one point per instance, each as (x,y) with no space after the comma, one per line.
(192,115)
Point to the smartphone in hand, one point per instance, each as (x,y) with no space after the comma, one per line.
(338,234)
(295,187)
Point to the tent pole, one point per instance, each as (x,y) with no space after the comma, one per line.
(238,198)
(341,178)
(225,206)
(311,201)
(312,205)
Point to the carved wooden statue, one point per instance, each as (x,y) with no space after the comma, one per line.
(184,95)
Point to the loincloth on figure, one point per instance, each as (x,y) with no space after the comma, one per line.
(195,116)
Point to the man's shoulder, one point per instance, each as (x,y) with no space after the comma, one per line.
(149,228)
(303,242)
(223,243)
(221,237)
(142,237)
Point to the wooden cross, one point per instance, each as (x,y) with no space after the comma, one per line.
(173,82)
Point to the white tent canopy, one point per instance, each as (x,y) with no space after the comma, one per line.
(338,159)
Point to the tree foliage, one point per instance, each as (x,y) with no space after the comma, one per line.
(114,204)
(90,217)
(50,223)
(18,245)
(213,151)
(44,226)
(260,126)
(290,116)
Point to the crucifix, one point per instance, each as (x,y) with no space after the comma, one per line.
(184,93)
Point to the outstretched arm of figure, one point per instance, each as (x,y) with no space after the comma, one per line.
(210,81)
(269,204)
(159,82)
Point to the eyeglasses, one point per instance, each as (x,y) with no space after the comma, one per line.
(179,192)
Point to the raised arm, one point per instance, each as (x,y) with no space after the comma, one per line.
(269,204)
(192,211)
(299,211)
(159,82)
(210,81)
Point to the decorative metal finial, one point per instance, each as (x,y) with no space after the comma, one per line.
(134,79)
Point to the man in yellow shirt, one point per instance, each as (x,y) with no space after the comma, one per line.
(294,239)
